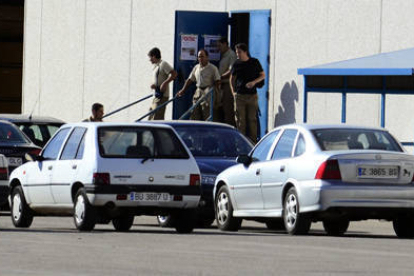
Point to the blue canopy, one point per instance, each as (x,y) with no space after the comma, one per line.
(398,63)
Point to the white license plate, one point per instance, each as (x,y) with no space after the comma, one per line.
(14,161)
(157,197)
(377,172)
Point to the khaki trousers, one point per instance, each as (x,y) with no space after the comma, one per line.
(159,114)
(202,111)
(246,109)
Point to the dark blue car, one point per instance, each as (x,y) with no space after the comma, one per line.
(215,147)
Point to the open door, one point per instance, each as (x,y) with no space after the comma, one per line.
(253,28)
(197,30)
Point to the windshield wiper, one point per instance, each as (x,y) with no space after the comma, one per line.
(147,158)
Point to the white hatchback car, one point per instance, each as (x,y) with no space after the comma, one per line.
(104,171)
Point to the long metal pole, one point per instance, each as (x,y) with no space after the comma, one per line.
(155,110)
(126,106)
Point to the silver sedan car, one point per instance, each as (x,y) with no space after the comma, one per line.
(299,174)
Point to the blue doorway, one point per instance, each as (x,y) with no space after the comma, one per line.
(250,27)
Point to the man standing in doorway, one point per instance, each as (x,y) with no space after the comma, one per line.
(206,76)
(246,74)
(97,113)
(163,75)
(228,57)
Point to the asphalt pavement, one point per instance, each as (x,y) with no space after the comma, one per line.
(52,246)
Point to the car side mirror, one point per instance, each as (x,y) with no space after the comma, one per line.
(39,158)
(244,159)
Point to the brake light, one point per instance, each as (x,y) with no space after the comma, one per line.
(194,180)
(35,152)
(101,179)
(329,170)
(3,173)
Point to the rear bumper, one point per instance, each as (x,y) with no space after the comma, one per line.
(4,192)
(320,195)
(181,196)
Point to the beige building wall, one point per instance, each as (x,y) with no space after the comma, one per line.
(77,52)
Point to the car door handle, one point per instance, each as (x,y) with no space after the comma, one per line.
(257,171)
(282,168)
(50,167)
(74,167)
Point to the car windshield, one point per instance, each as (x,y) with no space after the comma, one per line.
(10,134)
(140,142)
(351,139)
(213,142)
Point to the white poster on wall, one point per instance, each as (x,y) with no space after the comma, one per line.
(189,47)
(210,45)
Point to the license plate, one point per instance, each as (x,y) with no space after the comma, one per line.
(377,171)
(150,197)
(14,161)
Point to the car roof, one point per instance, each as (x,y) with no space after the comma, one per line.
(328,126)
(24,118)
(107,124)
(193,123)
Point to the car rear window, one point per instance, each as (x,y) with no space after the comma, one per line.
(352,139)
(140,142)
(11,134)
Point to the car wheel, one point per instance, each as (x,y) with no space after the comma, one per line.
(275,224)
(224,212)
(123,223)
(165,221)
(21,214)
(84,214)
(295,222)
(184,221)
(404,227)
(335,227)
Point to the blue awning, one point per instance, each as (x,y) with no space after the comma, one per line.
(398,63)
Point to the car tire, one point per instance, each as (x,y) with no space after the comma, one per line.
(84,214)
(205,222)
(335,227)
(224,211)
(404,227)
(295,222)
(165,221)
(21,214)
(123,223)
(184,221)
(275,224)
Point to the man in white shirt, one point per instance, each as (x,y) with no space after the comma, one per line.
(206,76)
(163,75)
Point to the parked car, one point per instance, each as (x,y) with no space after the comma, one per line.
(105,171)
(38,128)
(215,147)
(4,180)
(329,173)
(14,144)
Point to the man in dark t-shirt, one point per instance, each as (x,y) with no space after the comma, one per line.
(246,73)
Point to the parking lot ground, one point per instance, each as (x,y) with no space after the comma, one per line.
(52,246)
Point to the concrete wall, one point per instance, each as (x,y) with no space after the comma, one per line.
(77,52)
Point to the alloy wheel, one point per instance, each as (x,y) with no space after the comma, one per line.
(291,207)
(222,208)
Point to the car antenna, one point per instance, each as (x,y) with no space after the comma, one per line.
(31,113)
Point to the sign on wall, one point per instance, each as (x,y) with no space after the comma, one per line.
(189,47)
(210,45)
